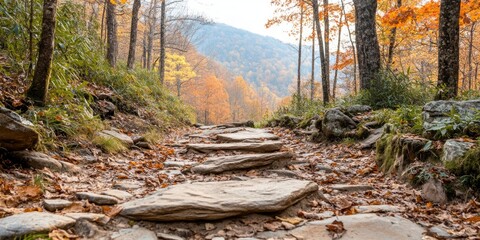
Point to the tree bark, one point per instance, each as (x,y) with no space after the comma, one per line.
(30,39)
(144,49)
(163,42)
(353,48)
(470,55)
(312,79)
(39,89)
(133,34)
(448,49)
(299,62)
(368,50)
(326,38)
(335,77)
(392,39)
(152,16)
(325,82)
(112,45)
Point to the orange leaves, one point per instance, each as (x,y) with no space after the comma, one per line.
(398,16)
(115,2)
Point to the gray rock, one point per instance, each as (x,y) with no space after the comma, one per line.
(359,227)
(269,146)
(320,167)
(165,236)
(439,232)
(97,198)
(125,139)
(218,200)
(16,133)
(134,233)
(436,113)
(455,149)
(144,145)
(378,209)
(240,162)
(86,229)
(92,217)
(351,188)
(246,136)
(119,194)
(53,205)
(284,173)
(38,160)
(358,109)
(370,141)
(172,164)
(32,222)
(433,191)
(336,124)
(127,186)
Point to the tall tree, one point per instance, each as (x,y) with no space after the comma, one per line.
(325,80)
(326,38)
(112,44)
(133,34)
(339,41)
(354,49)
(312,77)
(152,21)
(39,89)
(299,62)
(448,48)
(392,39)
(163,42)
(368,50)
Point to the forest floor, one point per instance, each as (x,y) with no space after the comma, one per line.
(142,172)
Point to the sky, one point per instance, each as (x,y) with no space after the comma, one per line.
(250,15)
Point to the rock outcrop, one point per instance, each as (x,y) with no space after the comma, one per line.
(16,133)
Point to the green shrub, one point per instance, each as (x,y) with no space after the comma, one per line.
(392,90)
(405,119)
(467,168)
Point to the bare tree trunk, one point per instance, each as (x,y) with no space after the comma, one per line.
(163,42)
(299,62)
(470,55)
(30,39)
(448,49)
(312,79)
(152,16)
(325,82)
(334,90)
(144,49)
(39,89)
(326,38)
(102,27)
(392,40)
(112,45)
(368,50)
(133,34)
(353,48)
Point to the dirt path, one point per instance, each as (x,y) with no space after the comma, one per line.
(347,179)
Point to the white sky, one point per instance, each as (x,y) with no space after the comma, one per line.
(250,15)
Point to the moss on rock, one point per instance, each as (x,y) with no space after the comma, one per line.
(467,168)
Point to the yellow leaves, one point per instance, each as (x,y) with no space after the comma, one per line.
(293,220)
(115,2)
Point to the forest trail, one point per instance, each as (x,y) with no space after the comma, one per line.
(227,182)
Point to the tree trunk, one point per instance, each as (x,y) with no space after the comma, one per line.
(133,34)
(102,27)
(448,49)
(325,83)
(144,49)
(30,39)
(312,79)
(353,48)
(41,78)
(334,90)
(163,42)
(152,16)
(326,38)
(368,51)
(392,40)
(470,55)
(112,45)
(299,62)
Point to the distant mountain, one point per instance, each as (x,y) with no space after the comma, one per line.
(259,59)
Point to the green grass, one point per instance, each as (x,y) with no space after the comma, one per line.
(109,144)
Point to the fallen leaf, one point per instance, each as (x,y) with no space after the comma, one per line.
(294,220)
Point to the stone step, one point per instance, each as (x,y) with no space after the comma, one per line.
(358,227)
(262,147)
(31,223)
(218,200)
(242,162)
(246,136)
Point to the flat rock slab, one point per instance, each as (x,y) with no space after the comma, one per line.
(263,147)
(246,136)
(38,160)
(218,200)
(124,138)
(134,233)
(351,188)
(119,194)
(53,205)
(359,227)
(378,209)
(32,222)
(240,162)
(92,217)
(97,198)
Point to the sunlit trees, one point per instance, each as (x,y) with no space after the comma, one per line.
(177,71)
(133,34)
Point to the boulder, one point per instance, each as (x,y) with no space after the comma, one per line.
(125,139)
(31,223)
(285,121)
(240,162)
(455,149)
(358,109)
(246,136)
(97,198)
(433,191)
(16,133)
(38,160)
(437,114)
(53,205)
(372,139)
(336,124)
(218,200)
(358,227)
(269,146)
(105,109)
